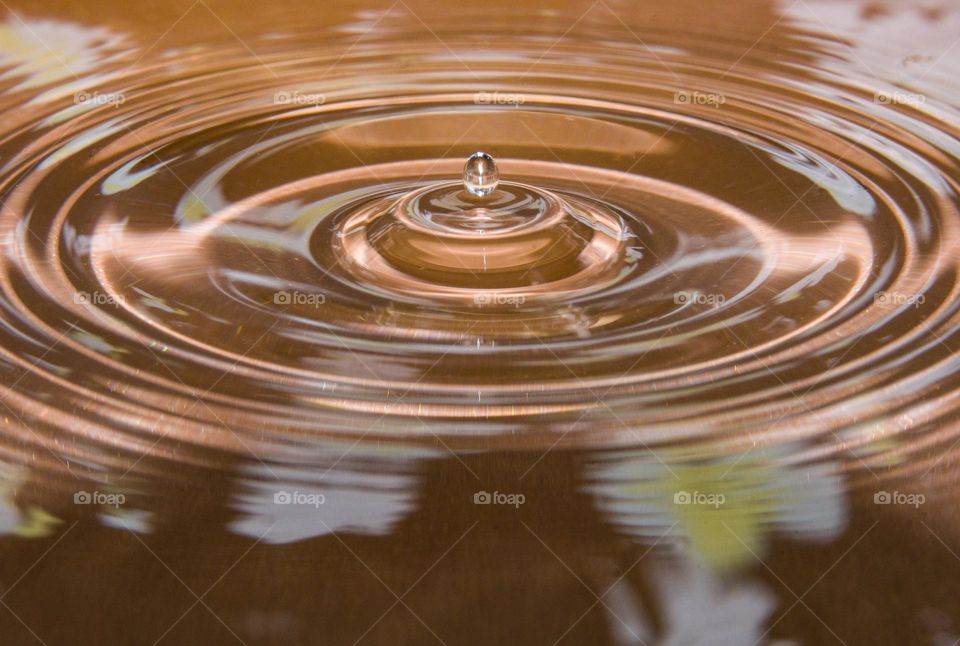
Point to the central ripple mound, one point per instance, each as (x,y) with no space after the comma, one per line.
(516,244)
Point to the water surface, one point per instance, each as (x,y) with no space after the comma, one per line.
(686,376)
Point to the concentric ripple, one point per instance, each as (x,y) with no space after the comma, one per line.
(227,252)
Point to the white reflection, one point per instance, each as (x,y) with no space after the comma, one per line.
(359,496)
(46,52)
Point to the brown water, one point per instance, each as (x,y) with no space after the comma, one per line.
(272,375)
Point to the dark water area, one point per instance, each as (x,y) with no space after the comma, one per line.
(676,364)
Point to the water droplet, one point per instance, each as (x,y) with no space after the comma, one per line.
(480,174)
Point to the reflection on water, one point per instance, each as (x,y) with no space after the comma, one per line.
(685,375)
(727,509)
